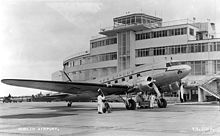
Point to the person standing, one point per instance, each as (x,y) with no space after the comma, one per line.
(100,99)
(152,99)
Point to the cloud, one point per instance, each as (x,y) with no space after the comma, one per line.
(74,11)
(35,27)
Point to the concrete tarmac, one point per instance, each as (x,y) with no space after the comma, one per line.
(41,118)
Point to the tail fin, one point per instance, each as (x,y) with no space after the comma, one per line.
(61,76)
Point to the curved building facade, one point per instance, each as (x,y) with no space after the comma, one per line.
(138,39)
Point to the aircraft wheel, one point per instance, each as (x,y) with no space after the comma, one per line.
(162,103)
(131,105)
(104,110)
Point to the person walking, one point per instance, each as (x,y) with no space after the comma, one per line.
(100,99)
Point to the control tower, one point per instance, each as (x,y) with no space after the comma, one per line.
(124,28)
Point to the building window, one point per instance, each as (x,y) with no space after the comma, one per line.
(177,49)
(171,32)
(142,52)
(218,46)
(103,42)
(65,65)
(183,48)
(198,68)
(216,66)
(183,31)
(163,33)
(137,36)
(104,57)
(191,31)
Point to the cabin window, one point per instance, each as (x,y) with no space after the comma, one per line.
(138,74)
(130,77)
(116,81)
(123,79)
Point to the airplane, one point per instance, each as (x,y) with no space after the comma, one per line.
(144,78)
(10,99)
(49,97)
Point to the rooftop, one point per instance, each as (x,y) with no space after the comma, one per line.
(77,55)
(139,25)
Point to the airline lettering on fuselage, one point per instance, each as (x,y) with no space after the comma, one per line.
(128,74)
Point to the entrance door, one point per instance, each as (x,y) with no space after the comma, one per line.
(194,95)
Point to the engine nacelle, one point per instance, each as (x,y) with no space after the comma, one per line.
(145,83)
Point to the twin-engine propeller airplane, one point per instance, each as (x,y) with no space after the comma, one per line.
(143,78)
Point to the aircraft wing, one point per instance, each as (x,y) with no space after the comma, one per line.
(68,87)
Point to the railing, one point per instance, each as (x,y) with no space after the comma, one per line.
(207,86)
(77,54)
(211,90)
(151,25)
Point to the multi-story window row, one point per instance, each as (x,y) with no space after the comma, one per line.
(104,57)
(178,49)
(104,42)
(163,33)
(92,59)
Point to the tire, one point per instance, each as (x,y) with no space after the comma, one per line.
(104,110)
(131,105)
(162,103)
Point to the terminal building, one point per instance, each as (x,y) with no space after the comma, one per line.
(137,39)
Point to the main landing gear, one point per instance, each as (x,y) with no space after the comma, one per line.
(130,104)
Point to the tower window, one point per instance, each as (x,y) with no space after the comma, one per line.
(191,31)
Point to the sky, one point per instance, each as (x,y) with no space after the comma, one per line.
(37,35)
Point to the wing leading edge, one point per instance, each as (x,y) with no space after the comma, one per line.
(67,87)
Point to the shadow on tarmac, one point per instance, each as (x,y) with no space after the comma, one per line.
(59,111)
(35,115)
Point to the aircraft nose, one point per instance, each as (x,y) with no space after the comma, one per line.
(187,68)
